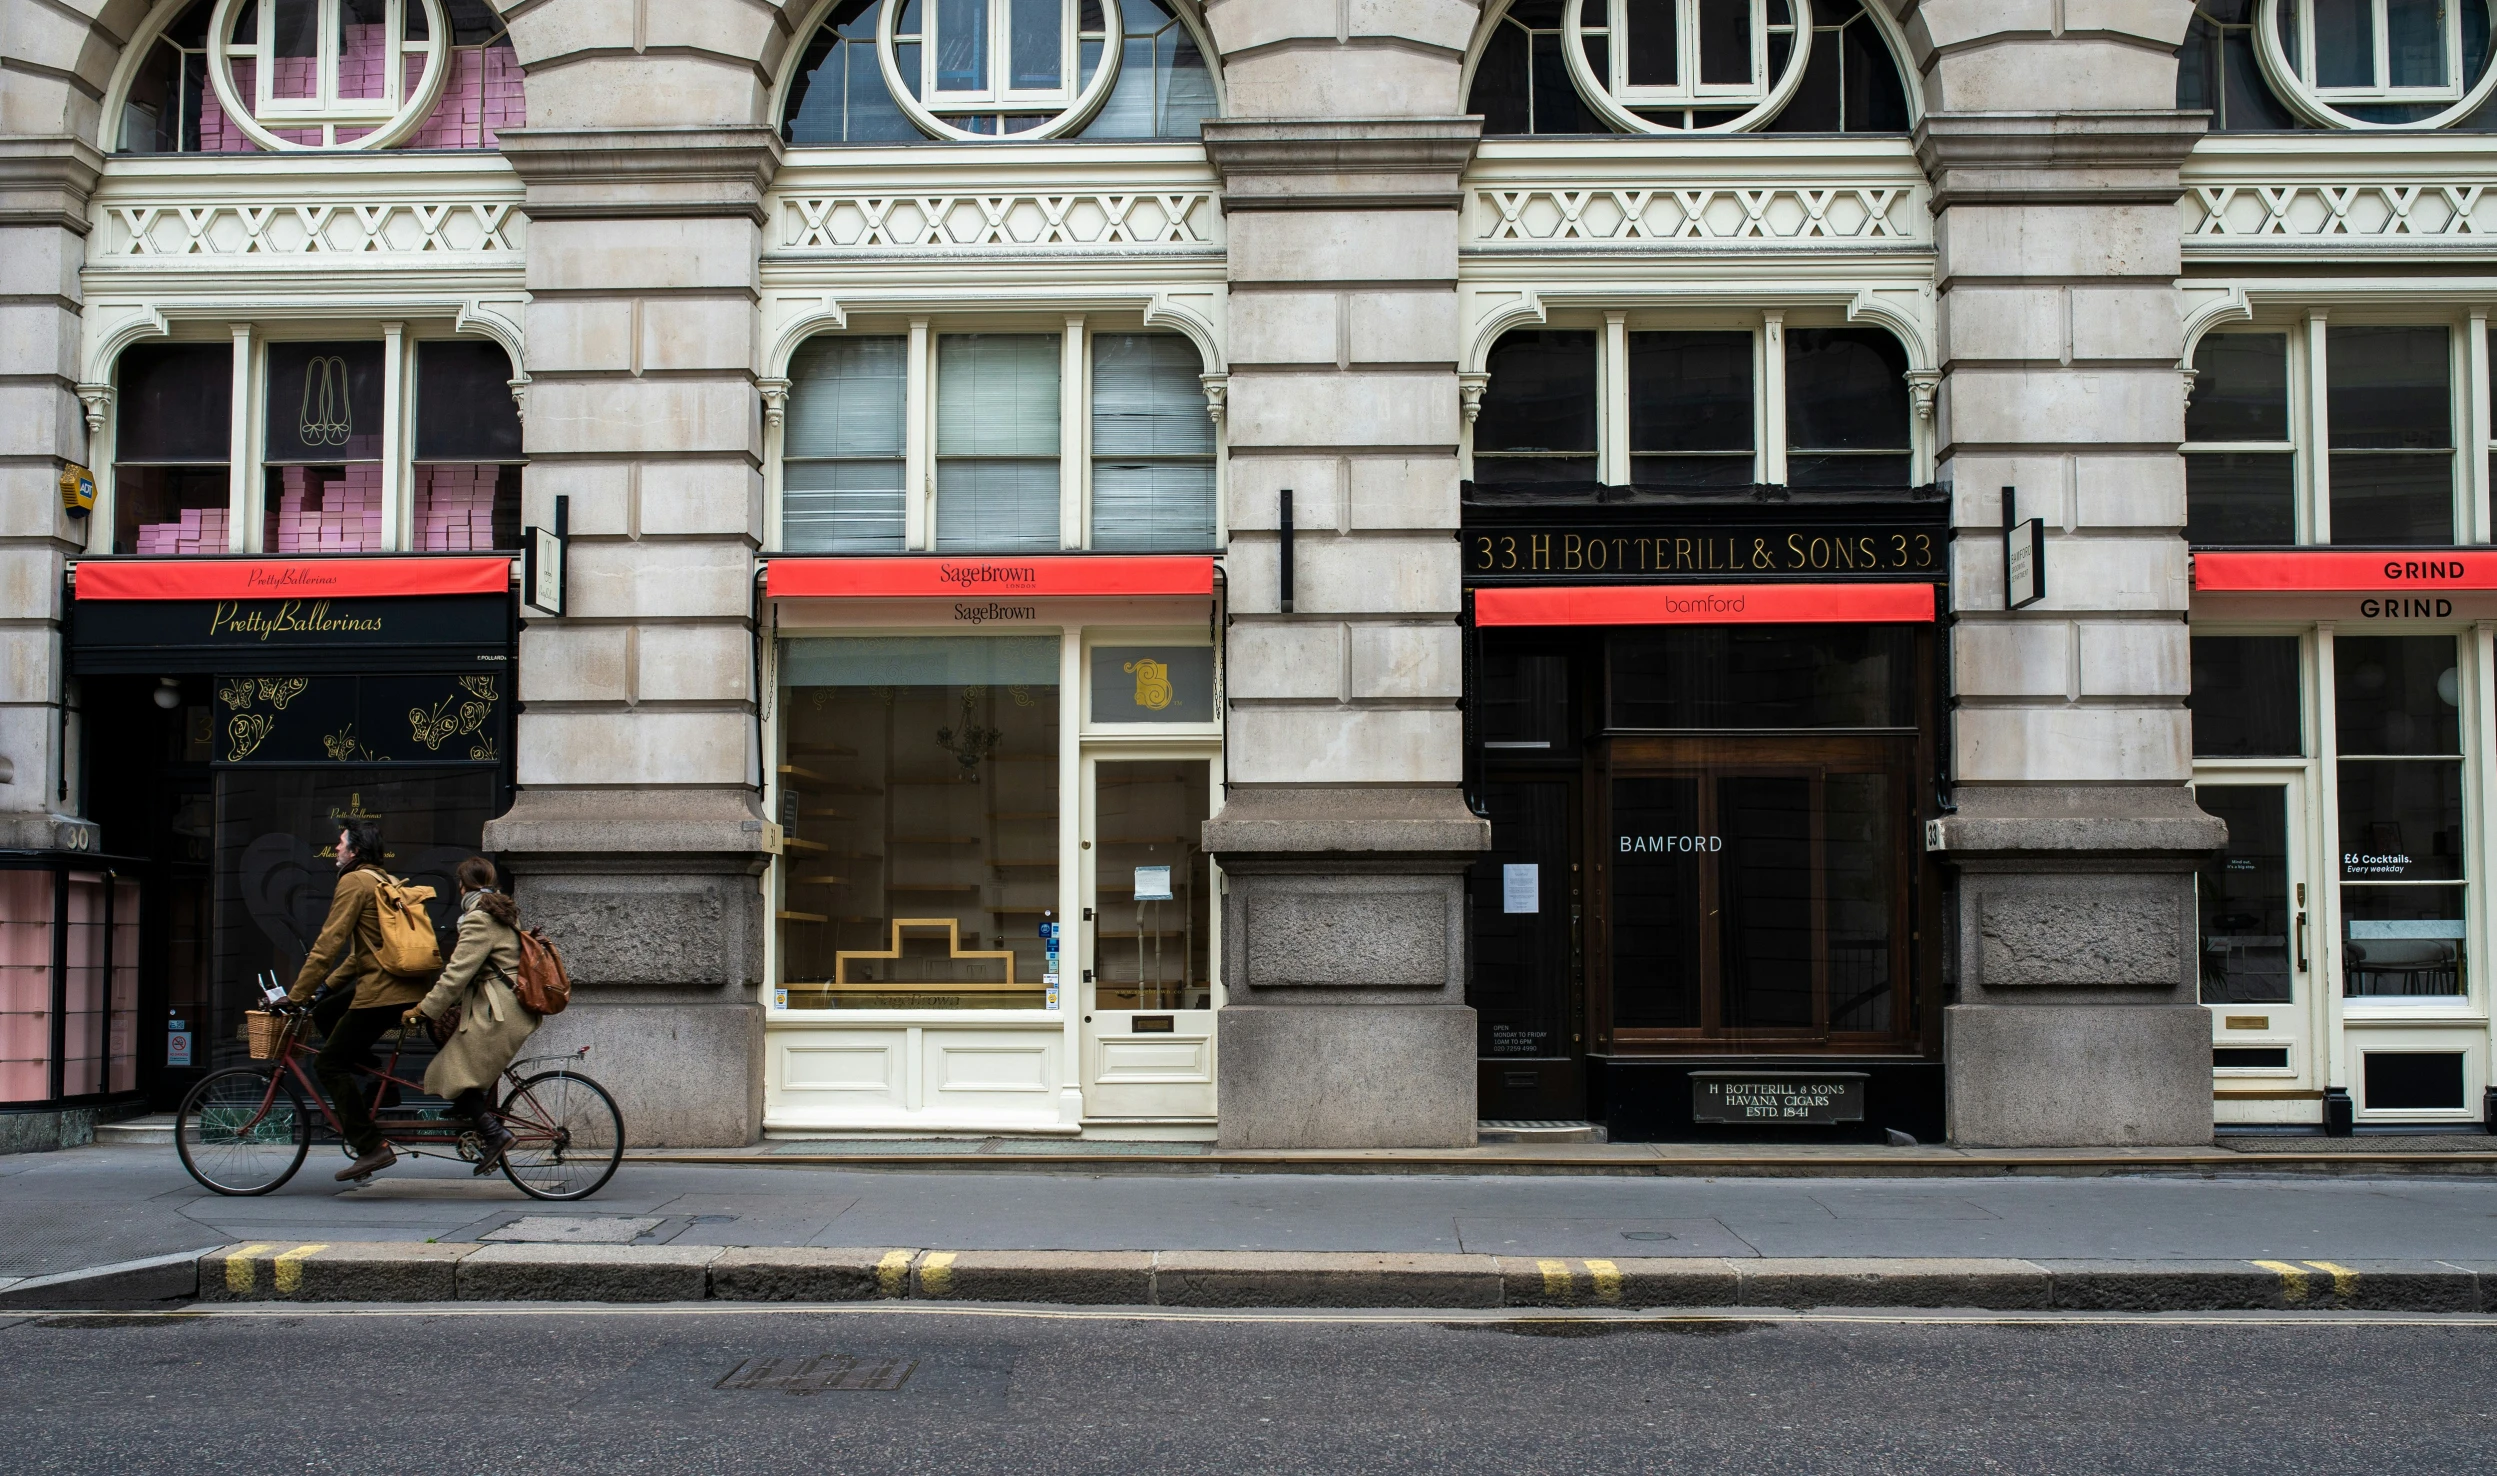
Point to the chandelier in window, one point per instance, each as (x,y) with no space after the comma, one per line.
(970,69)
(328,74)
(2376,64)
(1695,66)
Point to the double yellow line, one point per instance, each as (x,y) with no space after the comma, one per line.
(2295,1277)
(286,1273)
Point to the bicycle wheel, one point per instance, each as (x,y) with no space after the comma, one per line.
(237,1136)
(567,1136)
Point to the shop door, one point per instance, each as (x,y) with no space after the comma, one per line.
(1147,990)
(1526,904)
(1754,893)
(2258,949)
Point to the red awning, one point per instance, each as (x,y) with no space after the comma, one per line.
(1705,604)
(277,579)
(2293,571)
(1045,576)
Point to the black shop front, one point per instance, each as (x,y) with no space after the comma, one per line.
(236,712)
(1705,732)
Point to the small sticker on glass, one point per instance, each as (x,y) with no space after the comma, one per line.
(1153,884)
(1520,888)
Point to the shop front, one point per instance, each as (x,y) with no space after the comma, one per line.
(236,712)
(1704,731)
(994,912)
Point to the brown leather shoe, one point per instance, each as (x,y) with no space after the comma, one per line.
(370,1164)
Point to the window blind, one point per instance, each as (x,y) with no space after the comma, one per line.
(1152,445)
(997,408)
(842,470)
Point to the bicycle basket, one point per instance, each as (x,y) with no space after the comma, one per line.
(266,1033)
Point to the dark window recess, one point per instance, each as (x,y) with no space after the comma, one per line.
(2250,1058)
(2216,71)
(2396,695)
(1524,699)
(175,403)
(1538,415)
(2242,896)
(2388,399)
(1656,923)
(1846,408)
(2239,498)
(839,94)
(2241,388)
(1850,85)
(1788,676)
(464,405)
(2245,697)
(1519,982)
(324,402)
(1691,410)
(2413,1081)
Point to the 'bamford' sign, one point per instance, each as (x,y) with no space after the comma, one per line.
(1777,1099)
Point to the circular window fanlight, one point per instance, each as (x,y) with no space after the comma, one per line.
(1687,58)
(311,72)
(1000,60)
(2376,55)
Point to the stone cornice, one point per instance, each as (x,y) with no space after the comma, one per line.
(2053,158)
(615,173)
(1342,163)
(46,181)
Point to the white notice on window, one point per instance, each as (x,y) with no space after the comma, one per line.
(1153,884)
(1519,890)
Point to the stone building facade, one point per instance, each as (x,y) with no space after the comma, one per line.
(1308,573)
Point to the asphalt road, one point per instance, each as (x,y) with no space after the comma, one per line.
(1032,1393)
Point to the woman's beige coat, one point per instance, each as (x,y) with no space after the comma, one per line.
(477,980)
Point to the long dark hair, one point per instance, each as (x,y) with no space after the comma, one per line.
(477,874)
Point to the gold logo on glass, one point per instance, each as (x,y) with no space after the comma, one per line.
(1152,683)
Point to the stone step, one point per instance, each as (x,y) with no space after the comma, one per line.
(154,1130)
(1537,1130)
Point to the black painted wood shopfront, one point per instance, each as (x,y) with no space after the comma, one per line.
(226,740)
(1704,728)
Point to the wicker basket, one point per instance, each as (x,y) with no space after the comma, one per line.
(267,1034)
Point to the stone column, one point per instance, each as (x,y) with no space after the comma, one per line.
(637,835)
(2074,836)
(1343,836)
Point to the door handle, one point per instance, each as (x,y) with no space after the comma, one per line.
(2302,943)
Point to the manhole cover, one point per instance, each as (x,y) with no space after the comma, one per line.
(1647,1235)
(574,1230)
(821,1374)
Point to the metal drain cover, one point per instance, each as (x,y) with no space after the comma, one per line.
(823,1373)
(1647,1235)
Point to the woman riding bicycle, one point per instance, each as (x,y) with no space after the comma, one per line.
(491,1023)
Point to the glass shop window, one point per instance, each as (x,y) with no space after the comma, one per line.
(2242,897)
(1152,445)
(1691,418)
(997,442)
(1153,887)
(173,423)
(1524,697)
(323,448)
(842,477)
(919,795)
(2245,698)
(2240,462)
(2398,723)
(1538,419)
(465,492)
(2389,404)
(1847,415)
(1764,676)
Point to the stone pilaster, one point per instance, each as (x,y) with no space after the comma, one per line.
(1343,835)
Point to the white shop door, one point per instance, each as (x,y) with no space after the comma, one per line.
(1147,945)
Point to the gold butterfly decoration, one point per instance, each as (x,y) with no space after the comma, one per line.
(248,731)
(278,691)
(343,745)
(236,693)
(433,725)
(483,749)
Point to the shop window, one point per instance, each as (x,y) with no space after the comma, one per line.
(2246,697)
(1656,66)
(2389,407)
(1523,698)
(1847,414)
(2242,896)
(1691,416)
(466,490)
(2240,461)
(1153,887)
(172,424)
(1152,445)
(997,440)
(1699,678)
(331,81)
(973,69)
(842,457)
(2359,64)
(919,796)
(2397,707)
(69,983)
(323,448)
(1538,419)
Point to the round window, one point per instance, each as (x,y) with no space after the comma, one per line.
(1676,66)
(2377,63)
(328,74)
(965,69)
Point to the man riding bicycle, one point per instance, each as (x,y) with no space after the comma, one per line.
(345,956)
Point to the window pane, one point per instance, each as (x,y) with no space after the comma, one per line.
(324,402)
(2402,941)
(2392,499)
(2345,43)
(1523,697)
(1519,985)
(1151,954)
(2242,896)
(2241,388)
(1039,43)
(2240,497)
(2396,695)
(2245,698)
(2416,31)
(1848,471)
(996,505)
(1725,41)
(846,397)
(464,405)
(1855,825)
(1557,106)
(1501,92)
(1653,57)
(1846,390)
(176,403)
(853,506)
(295,41)
(464,506)
(1153,507)
(919,789)
(1794,676)
(962,45)
(2401,819)
(364,50)
(2248,99)
(323,509)
(1538,414)
(1690,392)
(1147,397)
(171,510)
(1876,100)
(1764,901)
(997,394)
(2388,389)
(1187,86)
(1656,903)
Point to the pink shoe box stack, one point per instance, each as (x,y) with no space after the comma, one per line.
(201,531)
(455,508)
(344,518)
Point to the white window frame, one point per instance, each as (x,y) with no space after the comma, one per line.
(391,118)
(1613,99)
(1073,105)
(2294,84)
(2382,89)
(1690,89)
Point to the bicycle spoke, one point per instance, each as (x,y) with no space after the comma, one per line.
(239,1134)
(568,1136)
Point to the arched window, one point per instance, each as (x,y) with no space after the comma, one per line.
(2278,65)
(329,84)
(972,69)
(1668,66)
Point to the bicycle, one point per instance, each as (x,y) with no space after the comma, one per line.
(244,1130)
